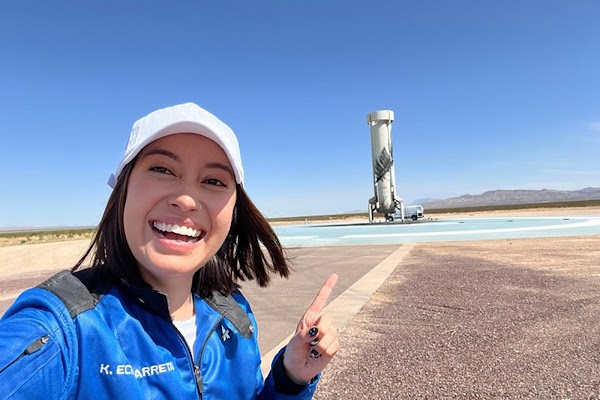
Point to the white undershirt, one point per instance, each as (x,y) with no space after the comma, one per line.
(188,329)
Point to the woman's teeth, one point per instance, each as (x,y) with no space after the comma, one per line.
(180,230)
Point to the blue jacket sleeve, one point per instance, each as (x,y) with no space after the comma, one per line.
(269,392)
(36,361)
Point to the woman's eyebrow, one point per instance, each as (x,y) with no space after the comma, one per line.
(219,165)
(175,157)
(163,152)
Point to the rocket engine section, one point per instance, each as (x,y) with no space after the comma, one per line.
(384,179)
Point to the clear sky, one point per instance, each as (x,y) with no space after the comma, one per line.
(487,95)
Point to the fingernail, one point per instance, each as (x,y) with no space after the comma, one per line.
(314,331)
(314,354)
(314,342)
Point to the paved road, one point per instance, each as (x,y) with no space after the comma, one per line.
(279,307)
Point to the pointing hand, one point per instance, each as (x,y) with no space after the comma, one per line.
(314,343)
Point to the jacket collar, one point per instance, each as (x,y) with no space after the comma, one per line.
(149,299)
(157,303)
(228,307)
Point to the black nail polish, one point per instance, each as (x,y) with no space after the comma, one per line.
(314,342)
(314,354)
(314,331)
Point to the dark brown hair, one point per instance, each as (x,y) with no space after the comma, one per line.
(251,250)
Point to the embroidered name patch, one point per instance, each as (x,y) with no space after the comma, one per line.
(125,369)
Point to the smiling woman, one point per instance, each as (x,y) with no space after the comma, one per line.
(161,297)
(181,180)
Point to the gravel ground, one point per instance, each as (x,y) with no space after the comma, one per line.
(509,319)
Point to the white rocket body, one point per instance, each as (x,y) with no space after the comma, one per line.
(384,179)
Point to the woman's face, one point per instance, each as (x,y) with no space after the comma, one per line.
(179,206)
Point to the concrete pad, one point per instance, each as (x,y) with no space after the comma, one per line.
(345,306)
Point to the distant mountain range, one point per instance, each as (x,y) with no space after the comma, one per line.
(506,197)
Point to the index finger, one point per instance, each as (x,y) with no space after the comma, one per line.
(321,299)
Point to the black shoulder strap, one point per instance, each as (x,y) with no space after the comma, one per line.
(71,291)
(230,309)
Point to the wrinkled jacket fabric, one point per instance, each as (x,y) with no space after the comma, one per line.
(121,344)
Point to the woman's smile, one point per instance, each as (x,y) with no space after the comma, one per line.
(180,233)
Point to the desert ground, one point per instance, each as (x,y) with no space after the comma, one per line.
(501,319)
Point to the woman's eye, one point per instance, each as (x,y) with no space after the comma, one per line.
(213,181)
(161,170)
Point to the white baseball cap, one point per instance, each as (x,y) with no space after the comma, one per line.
(182,118)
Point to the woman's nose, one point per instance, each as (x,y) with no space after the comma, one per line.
(186,200)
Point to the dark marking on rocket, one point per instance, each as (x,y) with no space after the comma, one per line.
(383,164)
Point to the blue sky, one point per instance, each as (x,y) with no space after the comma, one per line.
(487,95)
